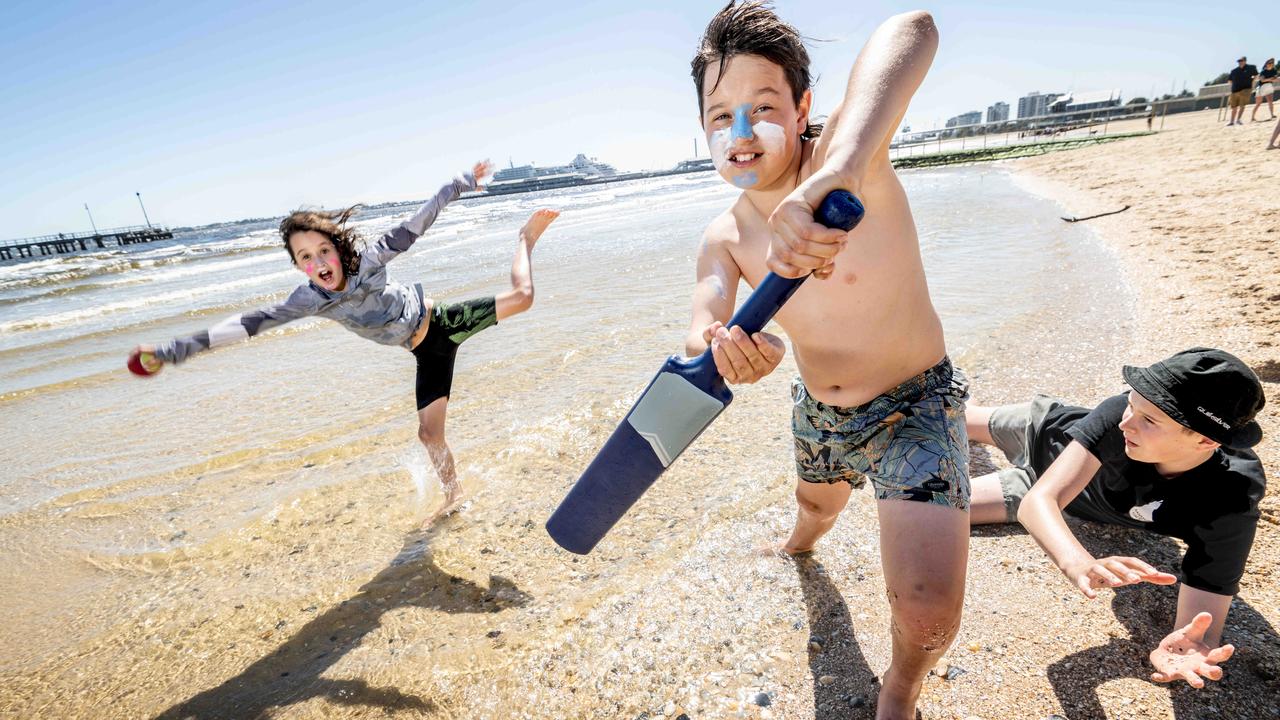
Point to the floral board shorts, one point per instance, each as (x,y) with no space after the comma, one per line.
(911,441)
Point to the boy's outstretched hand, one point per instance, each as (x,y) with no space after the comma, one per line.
(1183,655)
(741,358)
(1114,572)
(801,244)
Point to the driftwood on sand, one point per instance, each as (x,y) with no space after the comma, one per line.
(1090,217)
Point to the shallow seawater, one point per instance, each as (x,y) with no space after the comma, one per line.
(238,535)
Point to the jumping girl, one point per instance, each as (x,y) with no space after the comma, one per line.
(350,285)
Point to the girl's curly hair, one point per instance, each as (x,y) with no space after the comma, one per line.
(331,224)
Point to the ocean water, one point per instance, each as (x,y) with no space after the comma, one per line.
(169,525)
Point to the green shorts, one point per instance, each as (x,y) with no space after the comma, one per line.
(451,324)
(911,441)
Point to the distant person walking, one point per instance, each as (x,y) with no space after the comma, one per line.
(1241,85)
(1266,88)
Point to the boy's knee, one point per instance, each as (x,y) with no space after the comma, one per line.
(817,508)
(931,637)
(928,624)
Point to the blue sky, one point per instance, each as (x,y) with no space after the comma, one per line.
(218,111)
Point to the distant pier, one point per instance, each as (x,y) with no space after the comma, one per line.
(71,242)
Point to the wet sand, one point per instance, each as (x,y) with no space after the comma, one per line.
(329,607)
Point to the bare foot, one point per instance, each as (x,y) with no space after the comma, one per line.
(897,700)
(453,500)
(537,223)
(780,550)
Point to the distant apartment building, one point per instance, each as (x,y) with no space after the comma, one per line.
(998,112)
(1035,104)
(969,118)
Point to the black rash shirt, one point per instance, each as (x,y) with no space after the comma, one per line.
(1213,507)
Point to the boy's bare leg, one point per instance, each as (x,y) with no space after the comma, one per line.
(923,548)
(986,501)
(819,506)
(977,423)
(431,432)
(520,297)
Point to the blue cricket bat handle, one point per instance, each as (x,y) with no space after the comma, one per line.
(839,209)
(671,413)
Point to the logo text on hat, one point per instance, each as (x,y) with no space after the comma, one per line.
(1214,418)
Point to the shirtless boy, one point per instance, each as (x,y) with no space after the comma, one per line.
(877,397)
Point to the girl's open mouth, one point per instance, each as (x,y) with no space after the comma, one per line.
(744,159)
(326,275)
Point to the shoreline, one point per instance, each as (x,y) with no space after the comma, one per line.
(326,606)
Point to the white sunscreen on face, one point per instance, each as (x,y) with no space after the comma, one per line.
(770,137)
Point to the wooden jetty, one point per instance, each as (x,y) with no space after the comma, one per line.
(71,242)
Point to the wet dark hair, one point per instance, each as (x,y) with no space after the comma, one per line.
(751,28)
(331,224)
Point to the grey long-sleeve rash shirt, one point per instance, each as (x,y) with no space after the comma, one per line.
(370,305)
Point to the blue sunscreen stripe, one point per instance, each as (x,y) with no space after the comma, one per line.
(746,179)
(742,122)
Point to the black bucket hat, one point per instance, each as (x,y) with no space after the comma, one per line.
(1209,391)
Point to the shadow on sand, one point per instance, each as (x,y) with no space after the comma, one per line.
(291,674)
(852,694)
(1249,687)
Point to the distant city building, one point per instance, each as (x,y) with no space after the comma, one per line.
(1082,102)
(1035,104)
(969,118)
(998,112)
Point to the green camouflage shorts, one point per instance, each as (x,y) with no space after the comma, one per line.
(459,321)
(911,441)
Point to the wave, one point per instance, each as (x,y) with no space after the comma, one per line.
(78,267)
(80,315)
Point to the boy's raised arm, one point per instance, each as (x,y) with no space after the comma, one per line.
(885,76)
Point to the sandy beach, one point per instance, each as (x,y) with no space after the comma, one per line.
(318,599)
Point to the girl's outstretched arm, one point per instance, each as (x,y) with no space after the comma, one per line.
(402,237)
(301,303)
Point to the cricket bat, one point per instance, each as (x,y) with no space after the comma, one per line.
(680,402)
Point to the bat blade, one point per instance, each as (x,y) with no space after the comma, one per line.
(680,402)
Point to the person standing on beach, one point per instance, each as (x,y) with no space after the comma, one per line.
(1241,79)
(1171,457)
(877,396)
(350,285)
(1266,88)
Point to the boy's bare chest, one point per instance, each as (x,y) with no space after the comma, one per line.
(874,269)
